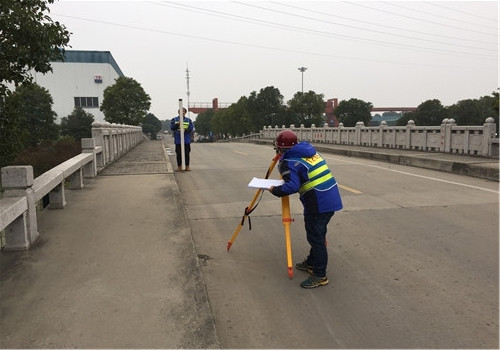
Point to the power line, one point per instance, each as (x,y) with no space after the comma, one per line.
(464,12)
(363,29)
(418,19)
(378,24)
(320,54)
(329,34)
(438,15)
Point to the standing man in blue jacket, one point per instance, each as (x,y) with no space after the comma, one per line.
(306,172)
(188,128)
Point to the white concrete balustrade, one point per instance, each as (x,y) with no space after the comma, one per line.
(22,192)
(447,138)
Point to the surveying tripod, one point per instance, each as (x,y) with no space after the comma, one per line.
(285,215)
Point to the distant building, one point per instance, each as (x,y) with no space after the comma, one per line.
(391,118)
(330,117)
(80,80)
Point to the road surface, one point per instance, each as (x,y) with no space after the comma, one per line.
(413,257)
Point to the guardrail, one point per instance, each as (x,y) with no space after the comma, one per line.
(446,138)
(22,192)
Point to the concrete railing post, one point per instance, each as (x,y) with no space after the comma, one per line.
(98,137)
(17,181)
(112,144)
(445,136)
(449,133)
(409,127)
(76,181)
(57,197)
(381,133)
(88,146)
(359,126)
(300,133)
(122,146)
(328,133)
(489,130)
(339,134)
(97,134)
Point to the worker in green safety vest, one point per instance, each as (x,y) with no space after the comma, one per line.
(188,129)
(306,172)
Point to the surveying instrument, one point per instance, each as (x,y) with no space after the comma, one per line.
(285,215)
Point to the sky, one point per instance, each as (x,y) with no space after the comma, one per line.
(392,54)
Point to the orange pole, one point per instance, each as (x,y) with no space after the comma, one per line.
(287,219)
(252,203)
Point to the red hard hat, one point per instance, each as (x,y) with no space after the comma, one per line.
(286,139)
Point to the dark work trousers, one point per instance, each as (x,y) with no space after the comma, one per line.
(316,236)
(187,149)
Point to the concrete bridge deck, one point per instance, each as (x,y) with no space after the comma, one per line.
(117,267)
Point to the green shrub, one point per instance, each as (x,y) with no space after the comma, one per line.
(47,155)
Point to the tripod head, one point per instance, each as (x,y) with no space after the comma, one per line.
(278,154)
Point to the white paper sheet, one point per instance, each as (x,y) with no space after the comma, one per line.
(264,183)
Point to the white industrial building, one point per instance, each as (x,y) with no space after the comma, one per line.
(80,80)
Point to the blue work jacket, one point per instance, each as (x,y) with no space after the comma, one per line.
(306,172)
(188,128)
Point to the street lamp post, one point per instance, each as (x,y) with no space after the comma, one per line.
(302,70)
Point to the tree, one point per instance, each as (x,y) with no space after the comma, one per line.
(165,125)
(473,111)
(308,108)
(30,40)
(151,125)
(237,118)
(430,113)
(495,108)
(32,104)
(78,124)
(218,123)
(353,111)
(125,102)
(405,118)
(242,116)
(265,108)
(202,124)
(495,103)
(12,133)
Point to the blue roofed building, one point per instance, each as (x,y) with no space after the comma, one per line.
(79,81)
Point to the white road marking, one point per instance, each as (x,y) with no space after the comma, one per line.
(420,176)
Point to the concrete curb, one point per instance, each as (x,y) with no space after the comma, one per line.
(207,331)
(484,168)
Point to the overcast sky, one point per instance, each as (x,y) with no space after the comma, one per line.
(391,54)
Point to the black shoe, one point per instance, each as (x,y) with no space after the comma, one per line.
(304,266)
(314,281)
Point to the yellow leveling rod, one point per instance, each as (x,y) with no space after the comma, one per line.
(251,207)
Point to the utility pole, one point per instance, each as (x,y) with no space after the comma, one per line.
(302,70)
